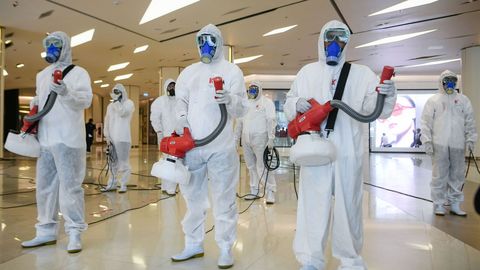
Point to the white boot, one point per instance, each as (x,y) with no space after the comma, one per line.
(111,185)
(123,189)
(190,252)
(456,210)
(253,194)
(439,210)
(40,241)
(74,243)
(270,197)
(225,260)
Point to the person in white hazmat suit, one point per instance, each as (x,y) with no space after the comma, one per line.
(163,121)
(61,134)
(257,131)
(341,179)
(449,128)
(217,162)
(117,132)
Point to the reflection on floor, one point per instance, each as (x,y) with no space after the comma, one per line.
(400,230)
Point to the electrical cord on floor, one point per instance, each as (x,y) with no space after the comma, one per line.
(398,192)
(131,209)
(211,229)
(17,206)
(30,180)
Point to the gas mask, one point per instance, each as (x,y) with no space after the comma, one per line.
(207,45)
(53,49)
(253,91)
(449,84)
(171,89)
(116,95)
(332,39)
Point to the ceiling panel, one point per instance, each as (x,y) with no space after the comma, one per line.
(171,38)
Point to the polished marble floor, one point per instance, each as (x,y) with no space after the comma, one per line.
(141,229)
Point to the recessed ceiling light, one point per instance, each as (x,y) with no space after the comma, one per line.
(8,41)
(118,66)
(395,38)
(20,65)
(438,47)
(98,81)
(158,8)
(246,59)
(434,63)
(279,30)
(141,49)
(82,38)
(404,5)
(5,73)
(123,77)
(104,85)
(43,54)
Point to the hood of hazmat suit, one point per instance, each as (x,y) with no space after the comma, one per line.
(118,117)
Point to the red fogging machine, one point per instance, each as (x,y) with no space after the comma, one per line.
(311,148)
(175,147)
(26,143)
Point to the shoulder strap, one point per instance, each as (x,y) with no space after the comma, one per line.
(67,70)
(332,116)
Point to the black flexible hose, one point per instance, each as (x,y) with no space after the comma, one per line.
(360,117)
(218,129)
(269,157)
(48,106)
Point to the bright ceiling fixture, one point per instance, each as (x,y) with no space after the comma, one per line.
(395,38)
(434,63)
(246,59)
(104,85)
(82,38)
(141,49)
(404,5)
(43,54)
(158,8)
(280,30)
(8,41)
(5,73)
(118,66)
(20,65)
(123,77)
(98,81)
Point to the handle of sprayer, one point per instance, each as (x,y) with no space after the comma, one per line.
(218,83)
(387,73)
(57,75)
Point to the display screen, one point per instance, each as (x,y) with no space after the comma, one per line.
(402,130)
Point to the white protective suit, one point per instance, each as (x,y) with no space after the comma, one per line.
(61,133)
(256,128)
(117,131)
(342,178)
(217,161)
(448,123)
(163,121)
